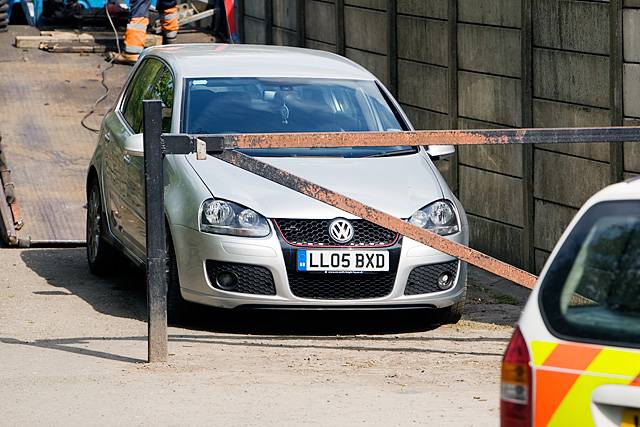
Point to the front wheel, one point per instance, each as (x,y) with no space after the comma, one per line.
(175,304)
(452,314)
(100,254)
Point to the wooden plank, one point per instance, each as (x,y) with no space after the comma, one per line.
(505,13)
(506,197)
(567,180)
(423,85)
(489,49)
(571,25)
(392,43)
(571,77)
(433,47)
(490,98)
(358,24)
(526,66)
(616,41)
(550,221)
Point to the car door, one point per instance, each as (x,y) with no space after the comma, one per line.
(120,125)
(162,89)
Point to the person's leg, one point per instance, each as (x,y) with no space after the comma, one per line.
(137,27)
(168,19)
(220,28)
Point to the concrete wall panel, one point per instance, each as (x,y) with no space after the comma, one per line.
(571,25)
(375,63)
(491,195)
(489,49)
(321,22)
(425,8)
(631,29)
(370,4)
(571,77)
(567,180)
(366,29)
(504,13)
(490,98)
(423,86)
(504,242)
(557,114)
(254,8)
(631,92)
(550,222)
(255,31)
(285,14)
(425,119)
(424,40)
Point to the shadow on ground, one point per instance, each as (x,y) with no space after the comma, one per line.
(124,295)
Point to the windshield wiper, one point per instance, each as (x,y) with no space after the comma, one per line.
(394,153)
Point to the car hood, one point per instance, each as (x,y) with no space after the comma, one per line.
(398,185)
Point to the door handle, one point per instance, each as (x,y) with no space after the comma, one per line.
(127,159)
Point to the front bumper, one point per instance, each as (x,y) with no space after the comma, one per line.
(194,248)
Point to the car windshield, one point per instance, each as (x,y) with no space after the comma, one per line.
(592,289)
(261,105)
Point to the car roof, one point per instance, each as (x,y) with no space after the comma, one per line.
(225,60)
(627,190)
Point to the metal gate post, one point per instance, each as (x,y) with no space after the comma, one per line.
(155,231)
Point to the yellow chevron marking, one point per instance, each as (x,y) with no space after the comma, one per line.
(541,350)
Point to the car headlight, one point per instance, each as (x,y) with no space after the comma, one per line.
(222,217)
(439,217)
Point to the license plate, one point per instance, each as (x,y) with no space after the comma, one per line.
(630,418)
(343,261)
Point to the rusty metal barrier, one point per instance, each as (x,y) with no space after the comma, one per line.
(157,145)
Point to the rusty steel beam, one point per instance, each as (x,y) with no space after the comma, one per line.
(380,218)
(217,143)
(435,137)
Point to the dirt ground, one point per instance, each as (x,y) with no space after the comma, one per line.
(72,351)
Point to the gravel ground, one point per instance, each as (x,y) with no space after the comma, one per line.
(72,351)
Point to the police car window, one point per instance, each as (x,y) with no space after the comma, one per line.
(592,289)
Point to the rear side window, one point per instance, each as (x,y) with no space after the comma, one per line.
(591,292)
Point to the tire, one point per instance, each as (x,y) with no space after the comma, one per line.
(452,315)
(100,255)
(176,305)
(4,15)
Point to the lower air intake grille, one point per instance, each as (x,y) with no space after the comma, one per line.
(341,286)
(424,279)
(251,279)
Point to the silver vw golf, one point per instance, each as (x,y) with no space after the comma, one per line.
(238,240)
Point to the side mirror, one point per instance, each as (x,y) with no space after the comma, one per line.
(134,145)
(437,152)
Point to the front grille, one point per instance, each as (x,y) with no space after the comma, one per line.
(424,279)
(252,279)
(338,286)
(315,232)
